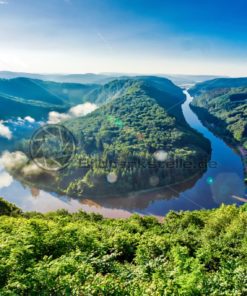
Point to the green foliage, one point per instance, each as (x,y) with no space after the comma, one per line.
(218,85)
(136,118)
(222,105)
(36,98)
(139,117)
(8,209)
(189,253)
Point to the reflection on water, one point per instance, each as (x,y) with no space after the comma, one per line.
(33,199)
(5,179)
(226,184)
(221,184)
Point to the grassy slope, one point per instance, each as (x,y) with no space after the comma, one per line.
(190,253)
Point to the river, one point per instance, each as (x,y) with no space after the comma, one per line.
(221,183)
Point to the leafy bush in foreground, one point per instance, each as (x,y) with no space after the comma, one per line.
(190,253)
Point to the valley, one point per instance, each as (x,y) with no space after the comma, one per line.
(132,117)
(21,97)
(131,138)
(222,106)
(123,148)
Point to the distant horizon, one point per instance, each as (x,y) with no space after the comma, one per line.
(119,74)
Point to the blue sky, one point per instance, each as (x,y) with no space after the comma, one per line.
(133,36)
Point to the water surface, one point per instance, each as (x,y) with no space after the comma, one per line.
(221,183)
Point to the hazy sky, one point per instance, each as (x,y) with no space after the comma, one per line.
(135,36)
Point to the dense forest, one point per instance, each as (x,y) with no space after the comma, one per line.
(222,106)
(190,253)
(137,136)
(140,117)
(20,97)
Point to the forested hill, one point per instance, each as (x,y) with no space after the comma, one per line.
(136,132)
(218,84)
(222,105)
(20,97)
(103,78)
(86,78)
(118,87)
(36,98)
(189,253)
(142,117)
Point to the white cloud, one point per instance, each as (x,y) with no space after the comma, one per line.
(29,119)
(56,117)
(14,160)
(5,179)
(82,109)
(3,2)
(5,131)
(76,111)
(32,170)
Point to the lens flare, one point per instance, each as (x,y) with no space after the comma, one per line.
(160,155)
(210,180)
(112,178)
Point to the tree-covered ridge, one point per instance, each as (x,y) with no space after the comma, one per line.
(218,84)
(223,104)
(122,85)
(8,209)
(189,253)
(30,97)
(145,118)
(87,78)
(137,119)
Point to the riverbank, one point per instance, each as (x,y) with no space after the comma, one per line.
(220,132)
(205,192)
(243,153)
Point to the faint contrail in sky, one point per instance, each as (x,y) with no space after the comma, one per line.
(105,41)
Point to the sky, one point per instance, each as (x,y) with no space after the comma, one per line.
(125,36)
